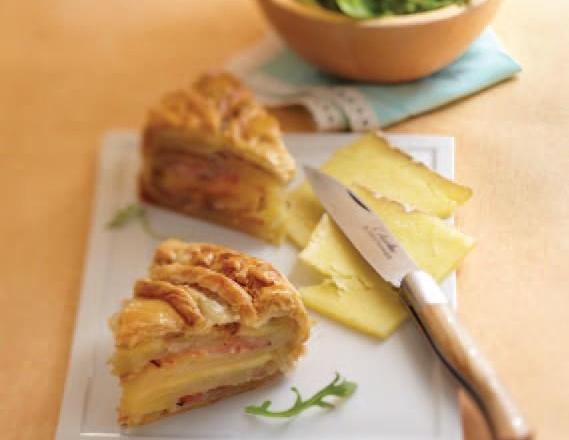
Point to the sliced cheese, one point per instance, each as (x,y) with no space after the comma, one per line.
(436,247)
(352,293)
(373,163)
(359,308)
(304,212)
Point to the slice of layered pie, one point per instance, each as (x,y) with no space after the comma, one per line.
(213,152)
(209,322)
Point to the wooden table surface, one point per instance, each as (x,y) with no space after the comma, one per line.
(69,70)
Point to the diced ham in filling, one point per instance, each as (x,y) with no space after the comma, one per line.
(194,398)
(222,391)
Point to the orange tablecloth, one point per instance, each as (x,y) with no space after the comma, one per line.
(69,70)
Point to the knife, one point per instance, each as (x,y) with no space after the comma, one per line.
(426,303)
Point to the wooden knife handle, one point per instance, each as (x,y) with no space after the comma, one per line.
(454,346)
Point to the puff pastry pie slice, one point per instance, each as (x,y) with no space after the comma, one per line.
(207,323)
(213,152)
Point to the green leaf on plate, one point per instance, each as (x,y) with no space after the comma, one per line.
(126,215)
(338,387)
(129,214)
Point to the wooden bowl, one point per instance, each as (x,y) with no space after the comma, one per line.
(389,49)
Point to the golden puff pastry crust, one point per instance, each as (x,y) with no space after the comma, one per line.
(204,303)
(218,113)
(266,290)
(252,290)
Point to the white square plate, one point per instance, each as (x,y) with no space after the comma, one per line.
(403,392)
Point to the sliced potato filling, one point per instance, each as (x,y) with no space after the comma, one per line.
(129,360)
(220,186)
(166,373)
(215,181)
(161,388)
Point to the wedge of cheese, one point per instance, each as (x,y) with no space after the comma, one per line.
(373,163)
(351,292)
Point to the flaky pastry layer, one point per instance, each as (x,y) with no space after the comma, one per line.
(218,113)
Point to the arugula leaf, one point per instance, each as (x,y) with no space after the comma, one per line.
(129,214)
(338,387)
(126,215)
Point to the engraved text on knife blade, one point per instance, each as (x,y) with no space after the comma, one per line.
(383,241)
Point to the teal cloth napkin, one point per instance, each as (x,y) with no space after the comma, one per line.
(485,63)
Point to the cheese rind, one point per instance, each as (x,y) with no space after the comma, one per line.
(352,292)
(371,162)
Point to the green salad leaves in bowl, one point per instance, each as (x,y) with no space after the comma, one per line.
(365,9)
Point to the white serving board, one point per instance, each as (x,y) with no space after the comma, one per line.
(403,392)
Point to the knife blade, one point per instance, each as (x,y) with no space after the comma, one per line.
(362,227)
(426,302)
